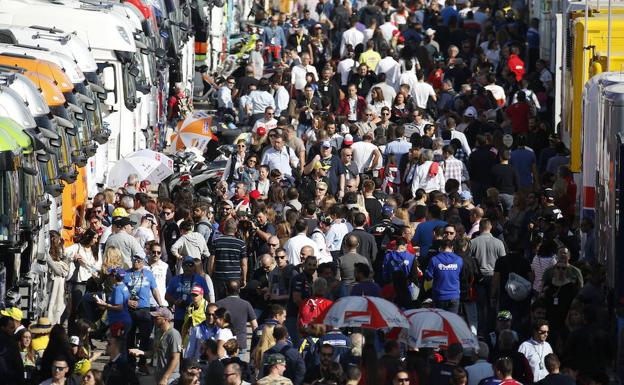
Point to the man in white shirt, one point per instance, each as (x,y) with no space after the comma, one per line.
(281,96)
(346,65)
(267,121)
(421,91)
(536,349)
(299,72)
(366,155)
(387,29)
(451,125)
(257,61)
(351,36)
(224,95)
(280,157)
(161,272)
(389,66)
(497,91)
(408,77)
(294,245)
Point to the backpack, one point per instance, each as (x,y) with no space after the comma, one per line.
(395,261)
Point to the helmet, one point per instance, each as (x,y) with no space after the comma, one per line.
(120,212)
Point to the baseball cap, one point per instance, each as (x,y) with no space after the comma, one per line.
(504,315)
(162,312)
(120,212)
(326,144)
(13,312)
(465,195)
(430,32)
(549,194)
(74,340)
(149,217)
(471,112)
(276,359)
(261,131)
(122,221)
(387,210)
(348,139)
(319,165)
(137,257)
(197,290)
(118,271)
(255,194)
(188,259)
(228,202)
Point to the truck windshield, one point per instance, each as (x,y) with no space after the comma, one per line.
(73,142)
(9,206)
(31,192)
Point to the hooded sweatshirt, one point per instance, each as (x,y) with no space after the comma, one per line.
(192,244)
(429,177)
(445,270)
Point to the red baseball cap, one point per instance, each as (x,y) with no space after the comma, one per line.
(255,194)
(261,131)
(197,290)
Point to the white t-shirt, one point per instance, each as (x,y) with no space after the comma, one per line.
(363,155)
(143,235)
(268,125)
(421,93)
(159,270)
(225,334)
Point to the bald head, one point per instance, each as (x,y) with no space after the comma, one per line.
(306,251)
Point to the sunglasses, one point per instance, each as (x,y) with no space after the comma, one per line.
(542,332)
(194,295)
(167,212)
(321,189)
(280,257)
(188,265)
(59,368)
(402,380)
(156,252)
(252,161)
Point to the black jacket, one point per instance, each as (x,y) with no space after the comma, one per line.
(367,246)
(119,372)
(11,364)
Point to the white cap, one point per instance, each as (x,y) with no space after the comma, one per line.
(74,340)
(471,112)
(430,32)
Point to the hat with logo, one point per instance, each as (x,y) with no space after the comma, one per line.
(197,290)
(470,112)
(348,140)
(276,359)
(188,260)
(504,315)
(326,144)
(74,340)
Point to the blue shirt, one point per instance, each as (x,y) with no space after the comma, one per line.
(447,13)
(119,296)
(399,148)
(180,288)
(522,160)
(444,269)
(140,284)
(424,235)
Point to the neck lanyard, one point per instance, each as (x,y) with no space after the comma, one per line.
(299,39)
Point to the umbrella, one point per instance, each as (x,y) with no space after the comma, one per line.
(162,158)
(151,167)
(435,327)
(365,312)
(194,131)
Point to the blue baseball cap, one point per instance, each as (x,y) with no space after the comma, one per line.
(387,210)
(188,259)
(465,195)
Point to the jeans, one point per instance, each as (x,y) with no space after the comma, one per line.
(472,316)
(507,201)
(451,305)
(77,291)
(485,310)
(302,129)
(141,322)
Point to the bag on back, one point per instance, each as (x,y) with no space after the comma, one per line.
(395,261)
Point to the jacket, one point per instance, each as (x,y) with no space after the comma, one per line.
(360,106)
(428,176)
(191,244)
(295,367)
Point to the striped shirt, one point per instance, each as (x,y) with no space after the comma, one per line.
(228,252)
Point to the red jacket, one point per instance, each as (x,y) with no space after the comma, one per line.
(360,107)
(516,65)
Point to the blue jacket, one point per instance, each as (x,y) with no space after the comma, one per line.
(295,367)
(445,270)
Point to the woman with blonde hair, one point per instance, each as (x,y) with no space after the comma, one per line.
(112,258)
(265,343)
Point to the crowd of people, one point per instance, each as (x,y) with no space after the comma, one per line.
(392,149)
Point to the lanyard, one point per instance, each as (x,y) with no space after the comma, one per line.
(299,39)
